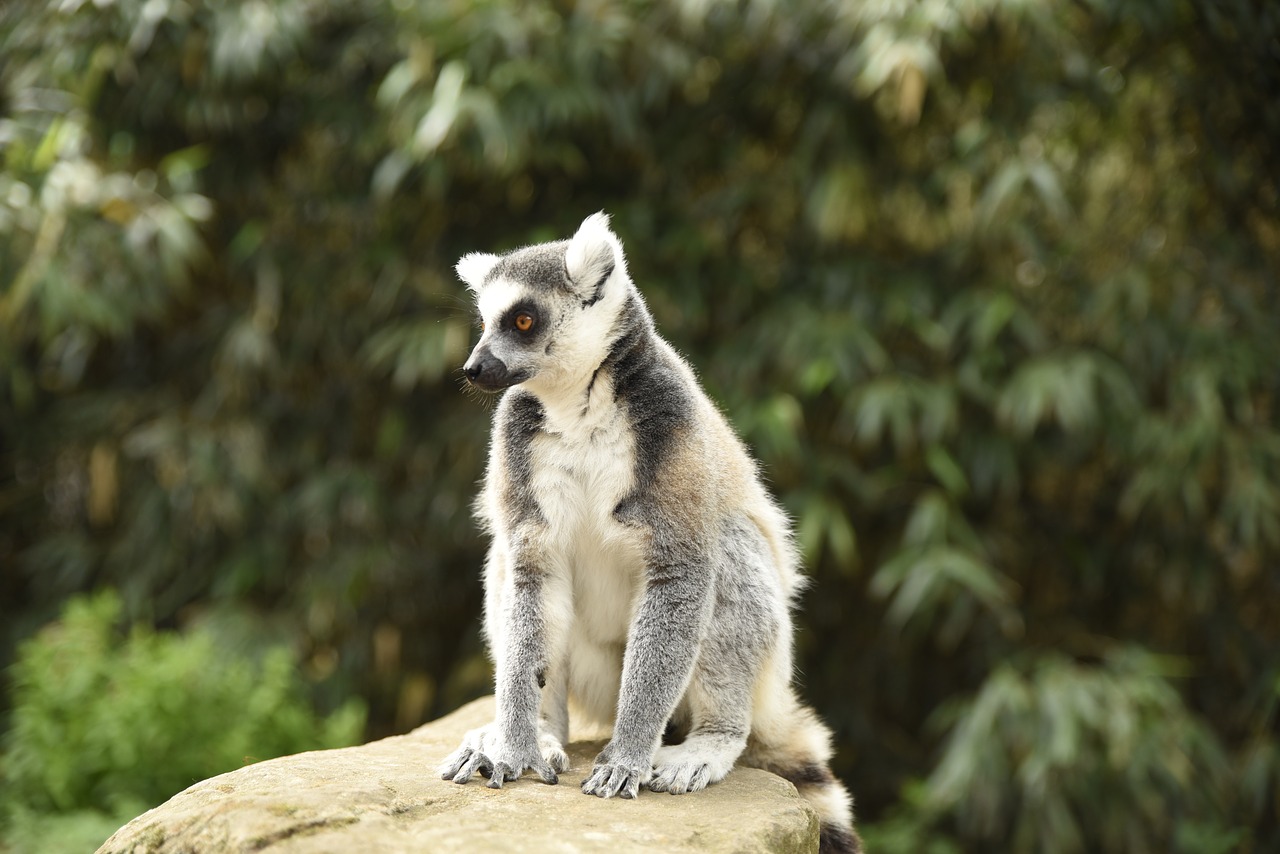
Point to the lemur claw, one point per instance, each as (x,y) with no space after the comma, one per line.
(610,780)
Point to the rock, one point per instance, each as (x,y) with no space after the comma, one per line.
(386,797)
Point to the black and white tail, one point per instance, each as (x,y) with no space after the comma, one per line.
(789,740)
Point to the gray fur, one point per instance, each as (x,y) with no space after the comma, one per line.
(541,267)
(521,420)
(637,563)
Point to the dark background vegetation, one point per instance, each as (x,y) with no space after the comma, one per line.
(989,287)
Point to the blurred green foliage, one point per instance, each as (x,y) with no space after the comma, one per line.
(106,725)
(988,285)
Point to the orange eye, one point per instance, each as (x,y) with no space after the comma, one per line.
(524,322)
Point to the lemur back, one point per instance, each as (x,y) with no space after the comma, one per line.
(637,564)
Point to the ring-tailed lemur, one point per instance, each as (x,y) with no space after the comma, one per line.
(637,564)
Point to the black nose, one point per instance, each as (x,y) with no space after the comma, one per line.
(486,372)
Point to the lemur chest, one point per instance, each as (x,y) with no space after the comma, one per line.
(581,468)
(580,474)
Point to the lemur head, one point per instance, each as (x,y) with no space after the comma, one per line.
(546,310)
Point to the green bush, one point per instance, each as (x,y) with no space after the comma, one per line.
(108,723)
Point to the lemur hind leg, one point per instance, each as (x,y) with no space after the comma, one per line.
(718,700)
(721,718)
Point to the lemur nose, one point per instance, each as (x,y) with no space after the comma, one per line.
(486,372)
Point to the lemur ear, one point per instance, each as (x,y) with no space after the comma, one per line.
(593,255)
(474,267)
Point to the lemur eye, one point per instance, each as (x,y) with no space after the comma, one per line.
(524,321)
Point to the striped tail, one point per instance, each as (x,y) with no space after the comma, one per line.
(794,744)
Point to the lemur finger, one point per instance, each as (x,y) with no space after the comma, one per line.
(546,772)
(557,759)
(680,782)
(476,761)
(501,772)
(617,779)
(631,787)
(661,781)
(700,778)
(455,763)
(450,766)
(592,785)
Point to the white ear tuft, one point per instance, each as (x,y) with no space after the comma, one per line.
(474,266)
(593,252)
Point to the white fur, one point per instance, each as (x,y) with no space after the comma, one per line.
(693,764)
(493,300)
(474,267)
(832,803)
(584,465)
(592,250)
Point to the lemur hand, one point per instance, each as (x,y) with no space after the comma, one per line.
(615,773)
(485,751)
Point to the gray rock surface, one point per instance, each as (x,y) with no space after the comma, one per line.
(386,797)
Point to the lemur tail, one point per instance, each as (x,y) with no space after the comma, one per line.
(794,744)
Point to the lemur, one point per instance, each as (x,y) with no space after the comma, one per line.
(637,564)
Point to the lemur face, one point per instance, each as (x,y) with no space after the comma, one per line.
(516,336)
(545,311)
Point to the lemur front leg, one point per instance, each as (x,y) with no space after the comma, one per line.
(528,650)
(662,645)
(553,728)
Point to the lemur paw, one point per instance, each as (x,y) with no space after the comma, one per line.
(483,751)
(682,768)
(621,776)
(680,779)
(553,752)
